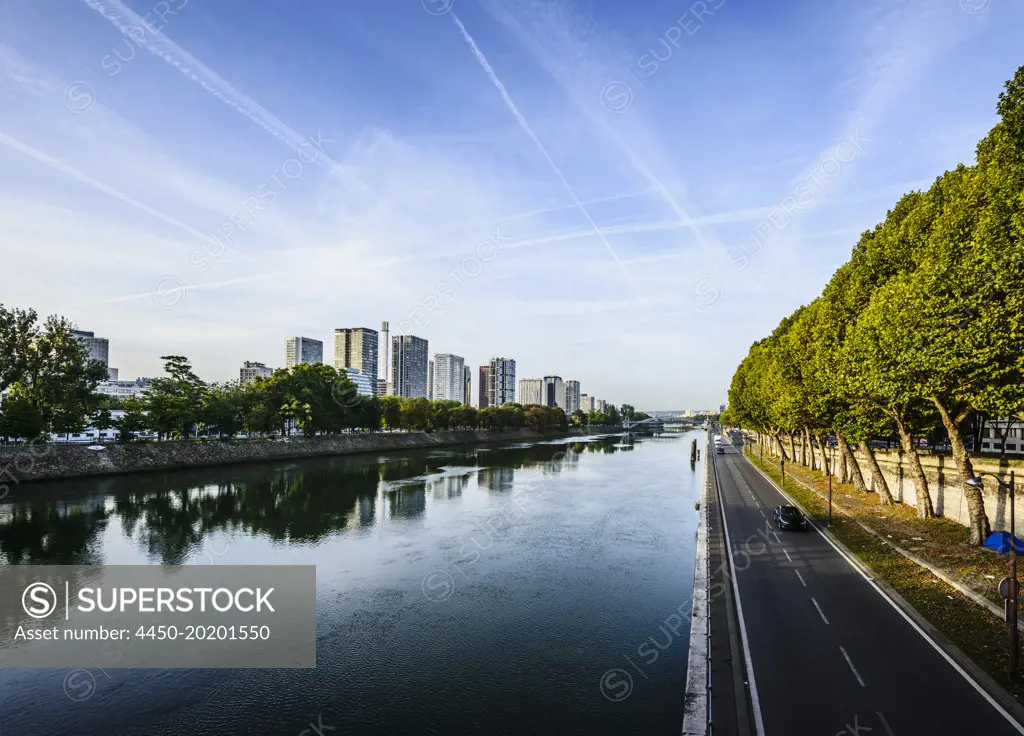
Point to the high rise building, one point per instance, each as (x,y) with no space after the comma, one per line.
(409,366)
(502,378)
(599,405)
(554,392)
(251,370)
(468,393)
(382,387)
(449,377)
(531,391)
(430,380)
(356,348)
(572,396)
(299,350)
(586,403)
(483,387)
(364,386)
(98,347)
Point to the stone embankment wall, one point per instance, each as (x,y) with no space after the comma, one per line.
(24,463)
(944,484)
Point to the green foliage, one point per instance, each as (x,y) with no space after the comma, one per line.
(50,369)
(920,327)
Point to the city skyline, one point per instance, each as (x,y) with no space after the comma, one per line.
(358,352)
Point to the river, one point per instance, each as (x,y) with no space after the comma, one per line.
(533,588)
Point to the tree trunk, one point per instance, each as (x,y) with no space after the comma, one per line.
(841,474)
(782,447)
(881,486)
(856,477)
(809,444)
(792,447)
(980,528)
(924,501)
(824,456)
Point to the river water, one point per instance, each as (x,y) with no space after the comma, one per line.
(532,588)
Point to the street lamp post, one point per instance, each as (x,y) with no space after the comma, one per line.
(828,472)
(782,467)
(1014,592)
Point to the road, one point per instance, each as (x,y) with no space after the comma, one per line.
(830,655)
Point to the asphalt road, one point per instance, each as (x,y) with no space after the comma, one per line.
(830,655)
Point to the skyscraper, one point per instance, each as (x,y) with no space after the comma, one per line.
(449,377)
(531,391)
(98,347)
(572,396)
(554,392)
(502,378)
(469,385)
(364,387)
(409,366)
(356,348)
(302,350)
(483,387)
(430,380)
(586,403)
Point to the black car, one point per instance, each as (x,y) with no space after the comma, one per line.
(789,518)
(720,450)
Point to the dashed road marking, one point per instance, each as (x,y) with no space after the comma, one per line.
(801,578)
(821,613)
(852,668)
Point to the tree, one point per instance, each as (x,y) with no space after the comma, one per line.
(17,334)
(223,409)
(133,421)
(391,412)
(21,417)
(578,418)
(416,414)
(173,403)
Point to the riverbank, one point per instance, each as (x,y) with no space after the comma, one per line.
(41,462)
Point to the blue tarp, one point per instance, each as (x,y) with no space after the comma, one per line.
(1000,542)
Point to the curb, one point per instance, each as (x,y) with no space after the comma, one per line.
(695,714)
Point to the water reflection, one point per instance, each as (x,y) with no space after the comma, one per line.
(170,517)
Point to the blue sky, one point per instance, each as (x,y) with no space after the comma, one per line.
(665,181)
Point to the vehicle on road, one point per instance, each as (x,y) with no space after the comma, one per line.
(720,450)
(789,518)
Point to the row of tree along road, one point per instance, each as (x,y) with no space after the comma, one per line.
(923,326)
(52,383)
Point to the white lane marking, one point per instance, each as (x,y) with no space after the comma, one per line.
(762,514)
(820,612)
(852,668)
(885,723)
(786,551)
(913,624)
(801,578)
(755,702)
